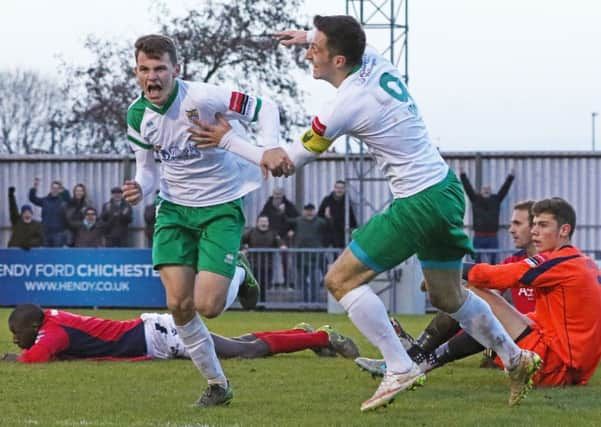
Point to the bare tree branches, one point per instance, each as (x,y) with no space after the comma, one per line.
(27,105)
(222,43)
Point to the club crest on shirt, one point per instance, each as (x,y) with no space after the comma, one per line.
(192,114)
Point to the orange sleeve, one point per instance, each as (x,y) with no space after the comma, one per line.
(497,276)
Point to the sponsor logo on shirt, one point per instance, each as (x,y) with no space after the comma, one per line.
(189,151)
(229,259)
(192,114)
(318,127)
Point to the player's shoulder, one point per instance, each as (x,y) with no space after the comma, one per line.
(515,257)
(135,112)
(536,260)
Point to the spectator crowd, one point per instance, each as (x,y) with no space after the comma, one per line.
(68,219)
(289,244)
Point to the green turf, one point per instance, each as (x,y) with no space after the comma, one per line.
(286,390)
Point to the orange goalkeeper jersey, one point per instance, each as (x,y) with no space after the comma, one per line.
(567,289)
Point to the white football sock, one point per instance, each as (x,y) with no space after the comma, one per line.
(478,320)
(198,342)
(232,290)
(367,311)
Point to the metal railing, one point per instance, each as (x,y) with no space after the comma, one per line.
(292,278)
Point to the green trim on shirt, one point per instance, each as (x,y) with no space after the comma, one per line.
(257,109)
(139,143)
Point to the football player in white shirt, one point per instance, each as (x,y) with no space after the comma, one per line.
(199,220)
(426,216)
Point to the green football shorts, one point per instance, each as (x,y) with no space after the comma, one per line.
(429,223)
(205,238)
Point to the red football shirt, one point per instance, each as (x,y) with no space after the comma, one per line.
(65,335)
(523,296)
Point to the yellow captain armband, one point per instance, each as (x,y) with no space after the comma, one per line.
(315,143)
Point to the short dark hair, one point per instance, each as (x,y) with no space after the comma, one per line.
(26,314)
(91,209)
(345,36)
(309,207)
(341,181)
(562,211)
(155,45)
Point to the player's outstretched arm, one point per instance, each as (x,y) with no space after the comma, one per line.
(292,37)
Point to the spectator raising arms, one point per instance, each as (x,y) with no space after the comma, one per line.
(485,213)
(26,232)
(53,212)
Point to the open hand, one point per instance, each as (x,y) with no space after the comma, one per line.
(206,135)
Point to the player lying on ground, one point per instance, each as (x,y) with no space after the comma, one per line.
(425,218)
(46,335)
(565,328)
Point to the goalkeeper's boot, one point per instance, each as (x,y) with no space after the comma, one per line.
(521,375)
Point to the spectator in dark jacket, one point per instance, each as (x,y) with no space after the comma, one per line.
(116,217)
(262,236)
(280,210)
(486,207)
(90,233)
(26,232)
(332,209)
(75,210)
(53,212)
(308,233)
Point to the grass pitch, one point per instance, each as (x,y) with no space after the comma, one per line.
(287,390)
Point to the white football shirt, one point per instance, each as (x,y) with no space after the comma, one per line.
(190,176)
(373,105)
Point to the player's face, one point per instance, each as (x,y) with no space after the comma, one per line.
(547,234)
(23,336)
(156,77)
(520,229)
(319,56)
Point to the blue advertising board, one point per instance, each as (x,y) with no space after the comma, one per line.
(103,277)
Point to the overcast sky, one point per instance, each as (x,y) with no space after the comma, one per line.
(487,75)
